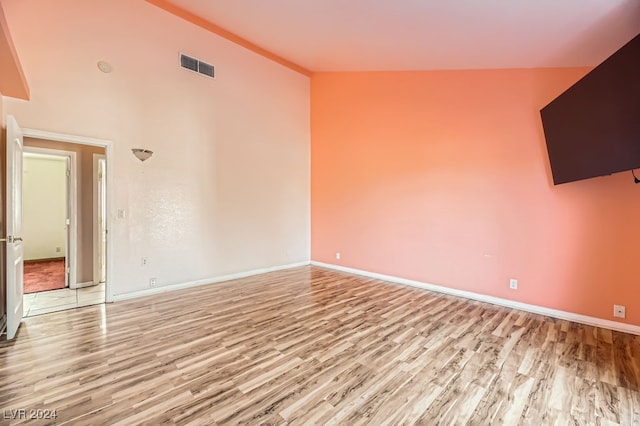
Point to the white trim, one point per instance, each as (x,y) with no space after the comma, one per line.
(214,280)
(109,159)
(62,137)
(96,210)
(71,252)
(108,155)
(541,310)
(82,285)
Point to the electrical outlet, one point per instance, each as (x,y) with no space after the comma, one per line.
(513,284)
(152,282)
(58,249)
(144,261)
(338,255)
(122,214)
(619,311)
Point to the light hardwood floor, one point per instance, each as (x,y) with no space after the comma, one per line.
(311,346)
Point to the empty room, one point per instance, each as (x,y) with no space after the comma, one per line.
(321,212)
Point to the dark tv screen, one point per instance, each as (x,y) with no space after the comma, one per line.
(593,128)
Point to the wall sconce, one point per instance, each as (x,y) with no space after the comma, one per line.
(142,154)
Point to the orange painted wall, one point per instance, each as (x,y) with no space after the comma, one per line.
(443,177)
(12,80)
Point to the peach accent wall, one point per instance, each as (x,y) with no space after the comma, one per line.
(12,80)
(443,177)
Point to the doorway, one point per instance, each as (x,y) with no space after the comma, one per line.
(83,285)
(48,200)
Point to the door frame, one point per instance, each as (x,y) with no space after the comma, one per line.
(72,206)
(97,209)
(108,155)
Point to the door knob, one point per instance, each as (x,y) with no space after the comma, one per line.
(10,239)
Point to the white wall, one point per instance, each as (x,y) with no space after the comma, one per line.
(44,202)
(227,189)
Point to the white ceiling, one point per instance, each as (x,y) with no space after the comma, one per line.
(350,35)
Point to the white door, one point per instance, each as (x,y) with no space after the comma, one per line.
(15,257)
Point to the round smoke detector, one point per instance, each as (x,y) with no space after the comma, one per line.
(105,67)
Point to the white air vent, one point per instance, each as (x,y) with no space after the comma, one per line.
(193,64)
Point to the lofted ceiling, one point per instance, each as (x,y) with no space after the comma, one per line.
(363,35)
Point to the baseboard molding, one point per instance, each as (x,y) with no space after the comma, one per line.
(81,285)
(214,280)
(541,310)
(48,259)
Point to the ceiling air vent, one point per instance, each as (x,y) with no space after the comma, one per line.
(206,69)
(196,65)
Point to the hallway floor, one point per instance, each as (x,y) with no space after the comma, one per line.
(58,300)
(43,275)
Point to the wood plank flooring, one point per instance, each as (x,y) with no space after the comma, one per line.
(311,346)
(44,275)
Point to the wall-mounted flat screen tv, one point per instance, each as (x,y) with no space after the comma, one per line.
(593,128)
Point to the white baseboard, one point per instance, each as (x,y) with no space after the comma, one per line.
(541,310)
(214,280)
(81,285)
